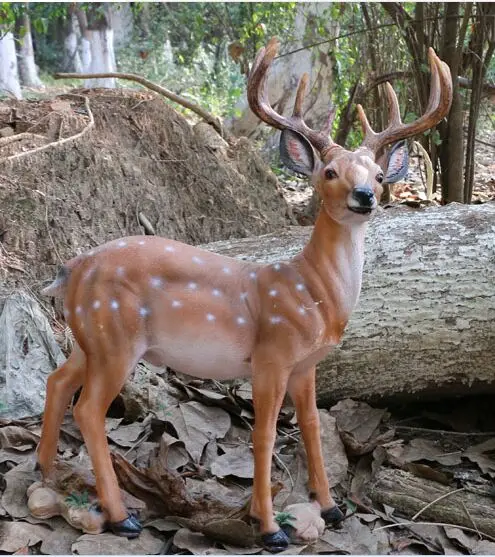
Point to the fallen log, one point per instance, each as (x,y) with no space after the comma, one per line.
(424,325)
(409,495)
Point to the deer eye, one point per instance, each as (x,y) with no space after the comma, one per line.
(379,178)
(330,174)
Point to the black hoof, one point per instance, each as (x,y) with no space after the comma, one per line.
(275,542)
(128,528)
(333,516)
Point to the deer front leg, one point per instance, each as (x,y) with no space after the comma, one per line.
(60,388)
(269,387)
(301,388)
(102,384)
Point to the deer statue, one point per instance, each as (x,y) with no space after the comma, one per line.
(216,317)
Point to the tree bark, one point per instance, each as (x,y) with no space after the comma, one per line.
(28,71)
(409,494)
(97,49)
(72,40)
(423,326)
(9,74)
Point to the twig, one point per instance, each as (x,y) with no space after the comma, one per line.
(436,501)
(60,141)
(17,137)
(212,120)
(146,224)
(466,510)
(406,524)
(445,432)
(277,458)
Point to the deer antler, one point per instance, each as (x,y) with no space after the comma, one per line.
(260,105)
(438,106)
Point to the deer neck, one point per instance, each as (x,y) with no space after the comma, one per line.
(332,264)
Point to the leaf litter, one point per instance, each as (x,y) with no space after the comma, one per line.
(187,469)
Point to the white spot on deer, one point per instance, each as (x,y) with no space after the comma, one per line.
(96,304)
(91,252)
(192,286)
(277,266)
(300,286)
(169,249)
(197,260)
(274,319)
(210,317)
(227,270)
(156,282)
(144,311)
(141,242)
(273,292)
(114,305)
(240,320)
(66,313)
(78,310)
(122,244)
(176,304)
(243,296)
(120,271)
(216,292)
(301,310)
(252,275)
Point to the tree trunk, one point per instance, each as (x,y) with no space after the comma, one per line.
(423,326)
(409,494)
(451,132)
(72,56)
(98,54)
(9,75)
(287,70)
(28,70)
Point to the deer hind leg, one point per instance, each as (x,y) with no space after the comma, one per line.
(61,386)
(103,382)
(269,387)
(301,388)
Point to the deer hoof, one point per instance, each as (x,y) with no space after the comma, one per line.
(275,541)
(333,516)
(129,528)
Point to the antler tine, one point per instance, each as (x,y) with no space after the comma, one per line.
(439,103)
(260,105)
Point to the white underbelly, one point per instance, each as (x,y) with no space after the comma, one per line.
(202,358)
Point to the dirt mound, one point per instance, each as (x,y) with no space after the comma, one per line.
(141,158)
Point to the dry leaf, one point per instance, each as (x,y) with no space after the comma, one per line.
(477,454)
(230,531)
(17,535)
(127,435)
(358,425)
(109,544)
(17,480)
(16,437)
(195,542)
(197,424)
(237,462)
(425,449)
(172,453)
(336,463)
(357,539)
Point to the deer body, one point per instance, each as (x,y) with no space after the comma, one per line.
(216,317)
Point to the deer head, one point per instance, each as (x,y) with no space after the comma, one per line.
(349,182)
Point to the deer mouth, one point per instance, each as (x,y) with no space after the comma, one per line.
(360,210)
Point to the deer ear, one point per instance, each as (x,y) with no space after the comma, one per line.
(297,152)
(397,162)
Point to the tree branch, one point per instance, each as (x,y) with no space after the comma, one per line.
(209,118)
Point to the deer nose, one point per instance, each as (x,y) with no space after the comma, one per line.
(364,196)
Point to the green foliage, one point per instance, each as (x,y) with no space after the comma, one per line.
(78,500)
(284,518)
